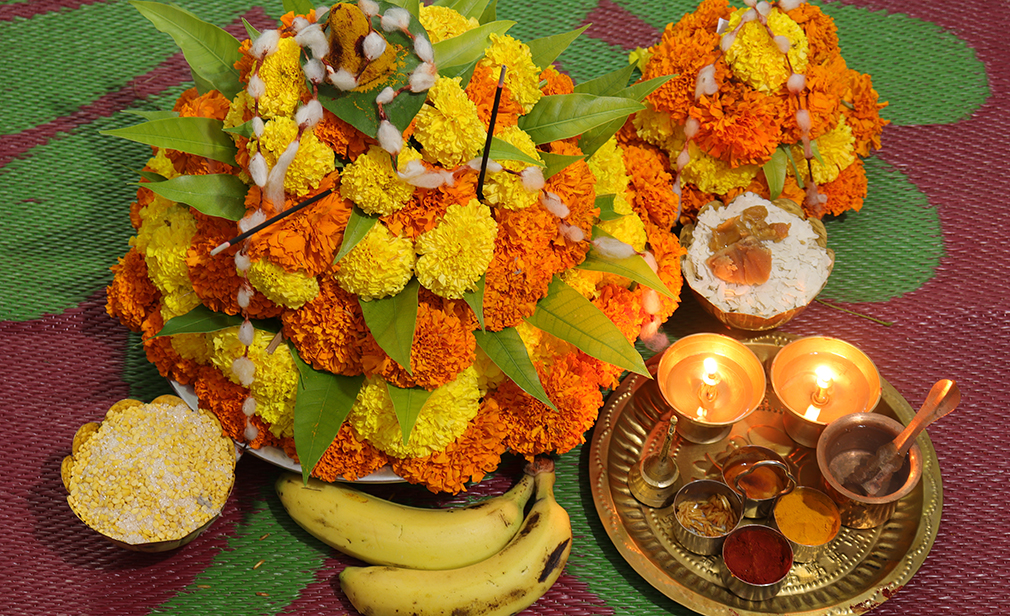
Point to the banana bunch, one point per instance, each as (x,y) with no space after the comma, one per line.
(504,583)
(381,532)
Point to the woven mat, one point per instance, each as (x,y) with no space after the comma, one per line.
(927,253)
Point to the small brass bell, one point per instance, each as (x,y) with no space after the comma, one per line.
(655,479)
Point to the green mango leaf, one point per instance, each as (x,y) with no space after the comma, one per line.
(323,402)
(606,205)
(250,30)
(244,129)
(407,403)
(466,8)
(546,50)
(463,71)
(594,138)
(358,108)
(469,46)
(199,320)
(210,51)
(219,194)
(151,176)
(507,351)
(152,115)
(568,315)
(199,136)
(358,226)
(792,161)
(633,268)
(391,321)
(490,13)
(609,84)
(816,151)
(475,299)
(503,150)
(775,171)
(561,116)
(557,162)
(642,89)
(298,7)
(412,6)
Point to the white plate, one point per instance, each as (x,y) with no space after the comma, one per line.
(275,455)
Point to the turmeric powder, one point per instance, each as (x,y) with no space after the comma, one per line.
(807,517)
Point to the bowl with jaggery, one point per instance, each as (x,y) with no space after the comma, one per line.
(753,263)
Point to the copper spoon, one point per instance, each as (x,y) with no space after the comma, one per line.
(875,472)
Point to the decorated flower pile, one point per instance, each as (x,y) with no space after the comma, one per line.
(760,101)
(416,307)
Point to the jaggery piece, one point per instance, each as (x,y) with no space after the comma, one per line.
(747,261)
(750,223)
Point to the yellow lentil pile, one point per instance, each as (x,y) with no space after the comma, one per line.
(151,472)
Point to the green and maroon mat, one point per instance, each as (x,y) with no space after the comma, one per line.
(928,254)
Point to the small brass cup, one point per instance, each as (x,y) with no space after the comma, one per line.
(700,490)
(818,503)
(739,562)
(755,466)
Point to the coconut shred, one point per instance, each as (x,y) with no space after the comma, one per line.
(799,265)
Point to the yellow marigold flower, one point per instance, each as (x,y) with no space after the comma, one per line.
(313,162)
(541,346)
(441,22)
(837,149)
(447,126)
(714,176)
(607,166)
(237,109)
(288,289)
(406,155)
(657,128)
(371,183)
(444,417)
(756,59)
(380,264)
(163,239)
(583,281)
(285,82)
(455,254)
(506,190)
(162,165)
(522,77)
(191,346)
(275,382)
(629,229)
(489,375)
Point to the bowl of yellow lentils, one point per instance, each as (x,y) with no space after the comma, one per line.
(150,477)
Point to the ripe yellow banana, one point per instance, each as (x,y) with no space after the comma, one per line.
(506,583)
(381,532)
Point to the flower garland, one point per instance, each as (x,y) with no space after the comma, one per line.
(761,101)
(317,275)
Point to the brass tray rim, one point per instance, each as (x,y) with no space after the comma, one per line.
(635,556)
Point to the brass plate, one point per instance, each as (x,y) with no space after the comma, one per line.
(860,570)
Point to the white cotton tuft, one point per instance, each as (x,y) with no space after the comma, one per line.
(683,158)
(432,179)
(653,339)
(245,370)
(368,7)
(571,232)
(727,41)
(242,262)
(395,18)
(706,83)
(258,169)
(251,432)
(492,166)
(533,178)
(651,302)
(244,296)
(249,406)
(613,248)
(803,120)
(314,71)
(251,220)
(691,127)
(424,50)
(258,126)
(373,46)
(783,43)
(265,43)
(423,77)
(763,8)
(344,80)
(553,204)
(386,96)
(390,137)
(796,83)
(298,24)
(246,333)
(651,260)
(413,169)
(256,87)
(309,114)
(274,190)
(788,5)
(748,15)
(314,40)
(750,3)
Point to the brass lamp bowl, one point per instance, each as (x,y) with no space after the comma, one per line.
(741,320)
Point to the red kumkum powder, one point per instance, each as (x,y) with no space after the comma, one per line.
(757,555)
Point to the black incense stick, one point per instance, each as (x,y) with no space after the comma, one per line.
(490,134)
(263,225)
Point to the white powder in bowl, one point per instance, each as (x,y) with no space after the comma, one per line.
(800,266)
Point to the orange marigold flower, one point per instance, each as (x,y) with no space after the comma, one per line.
(556,83)
(288,18)
(864,115)
(163,355)
(470,457)
(329,330)
(665,246)
(847,191)
(740,126)
(820,30)
(345,140)
(244,64)
(213,105)
(224,398)
(481,90)
(145,196)
(649,185)
(575,186)
(692,199)
(427,206)
(623,307)
(131,296)
(347,457)
(826,84)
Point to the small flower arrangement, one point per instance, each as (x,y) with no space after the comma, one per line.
(761,101)
(383,235)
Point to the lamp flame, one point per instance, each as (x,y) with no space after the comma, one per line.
(711,376)
(824,376)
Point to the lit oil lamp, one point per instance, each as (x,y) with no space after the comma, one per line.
(711,381)
(819,379)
